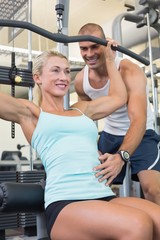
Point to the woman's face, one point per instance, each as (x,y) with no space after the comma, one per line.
(55,78)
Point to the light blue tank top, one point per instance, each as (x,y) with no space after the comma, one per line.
(67,147)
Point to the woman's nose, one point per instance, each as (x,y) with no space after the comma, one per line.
(64,76)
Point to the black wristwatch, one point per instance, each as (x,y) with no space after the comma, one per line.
(124,155)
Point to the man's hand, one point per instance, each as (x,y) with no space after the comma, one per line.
(110,167)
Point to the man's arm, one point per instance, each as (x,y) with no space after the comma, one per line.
(135,82)
(78,84)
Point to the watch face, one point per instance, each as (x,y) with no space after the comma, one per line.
(126,155)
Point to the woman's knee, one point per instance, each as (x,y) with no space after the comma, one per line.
(136,225)
(142,227)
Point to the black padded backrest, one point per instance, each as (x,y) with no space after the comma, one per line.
(21,197)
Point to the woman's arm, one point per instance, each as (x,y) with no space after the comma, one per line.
(117,96)
(11,109)
(20,111)
(17,110)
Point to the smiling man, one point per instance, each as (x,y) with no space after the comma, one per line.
(128,133)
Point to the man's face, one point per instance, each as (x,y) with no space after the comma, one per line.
(92,53)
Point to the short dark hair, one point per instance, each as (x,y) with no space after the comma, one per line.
(90,28)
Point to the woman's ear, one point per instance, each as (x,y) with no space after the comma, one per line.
(37,79)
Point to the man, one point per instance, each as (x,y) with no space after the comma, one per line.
(129,132)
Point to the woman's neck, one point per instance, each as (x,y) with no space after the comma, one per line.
(53,105)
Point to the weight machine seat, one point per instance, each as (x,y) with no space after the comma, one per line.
(21,197)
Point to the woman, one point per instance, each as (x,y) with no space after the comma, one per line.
(78,206)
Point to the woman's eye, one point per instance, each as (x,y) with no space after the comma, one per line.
(55,70)
(68,72)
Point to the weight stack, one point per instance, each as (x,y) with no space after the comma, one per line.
(29,219)
(8,220)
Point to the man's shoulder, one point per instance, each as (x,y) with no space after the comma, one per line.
(79,76)
(127,64)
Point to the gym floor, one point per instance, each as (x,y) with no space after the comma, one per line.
(17,234)
(21,237)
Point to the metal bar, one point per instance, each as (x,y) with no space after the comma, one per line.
(68,39)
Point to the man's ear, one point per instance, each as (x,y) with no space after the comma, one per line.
(37,79)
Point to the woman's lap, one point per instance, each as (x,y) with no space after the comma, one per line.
(94,218)
(55,208)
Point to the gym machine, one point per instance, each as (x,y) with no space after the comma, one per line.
(17,197)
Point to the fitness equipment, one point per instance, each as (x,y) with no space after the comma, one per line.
(62,27)
(16,197)
(149,16)
(62,38)
(13,77)
(19,77)
(146,16)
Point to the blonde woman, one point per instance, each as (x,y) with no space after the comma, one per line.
(77,205)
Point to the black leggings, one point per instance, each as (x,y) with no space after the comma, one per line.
(54,209)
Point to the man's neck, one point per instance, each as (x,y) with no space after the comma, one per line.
(98,77)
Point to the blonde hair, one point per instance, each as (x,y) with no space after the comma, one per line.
(38,65)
